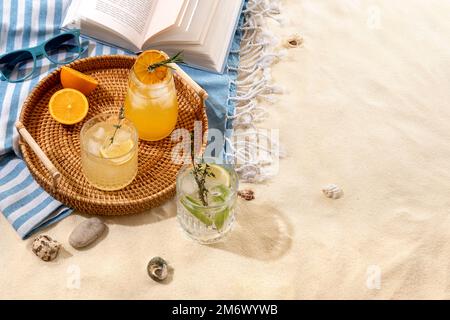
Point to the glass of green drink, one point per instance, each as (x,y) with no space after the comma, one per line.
(208,218)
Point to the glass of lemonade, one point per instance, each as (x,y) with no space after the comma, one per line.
(151,102)
(210,223)
(109,164)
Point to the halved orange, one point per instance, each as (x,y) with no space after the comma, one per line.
(74,79)
(68,106)
(146,59)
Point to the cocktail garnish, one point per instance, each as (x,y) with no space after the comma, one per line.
(200,170)
(175,59)
(118,125)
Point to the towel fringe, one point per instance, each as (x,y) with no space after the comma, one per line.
(255,151)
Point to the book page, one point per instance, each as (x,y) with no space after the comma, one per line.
(193,28)
(212,53)
(166,15)
(182,13)
(72,17)
(127,17)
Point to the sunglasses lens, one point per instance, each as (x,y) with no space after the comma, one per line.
(17,65)
(63,49)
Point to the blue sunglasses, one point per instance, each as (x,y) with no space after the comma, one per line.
(20,65)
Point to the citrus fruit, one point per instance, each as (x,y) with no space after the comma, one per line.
(195,211)
(74,79)
(221,175)
(116,150)
(68,106)
(144,61)
(221,217)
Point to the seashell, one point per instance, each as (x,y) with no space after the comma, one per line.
(332,191)
(45,247)
(246,194)
(158,269)
(293,41)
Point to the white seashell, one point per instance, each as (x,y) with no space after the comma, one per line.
(332,191)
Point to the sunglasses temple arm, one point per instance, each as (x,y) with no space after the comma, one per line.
(84,46)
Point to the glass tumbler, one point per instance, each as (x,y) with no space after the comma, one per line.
(109,165)
(210,223)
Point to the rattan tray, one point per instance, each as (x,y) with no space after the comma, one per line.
(52,150)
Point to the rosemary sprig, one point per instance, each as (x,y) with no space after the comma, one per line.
(201,171)
(118,125)
(175,59)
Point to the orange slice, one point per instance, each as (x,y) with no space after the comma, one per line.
(68,106)
(74,79)
(146,59)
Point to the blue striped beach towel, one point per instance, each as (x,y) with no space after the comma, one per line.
(26,23)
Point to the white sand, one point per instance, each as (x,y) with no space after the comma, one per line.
(367,109)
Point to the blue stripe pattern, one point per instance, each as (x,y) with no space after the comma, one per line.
(26,23)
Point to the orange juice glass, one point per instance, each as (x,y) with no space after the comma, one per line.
(152,107)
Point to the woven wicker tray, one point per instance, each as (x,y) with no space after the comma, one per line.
(52,150)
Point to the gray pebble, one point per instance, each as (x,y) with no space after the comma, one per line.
(86,232)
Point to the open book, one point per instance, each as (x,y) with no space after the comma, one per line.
(202,29)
